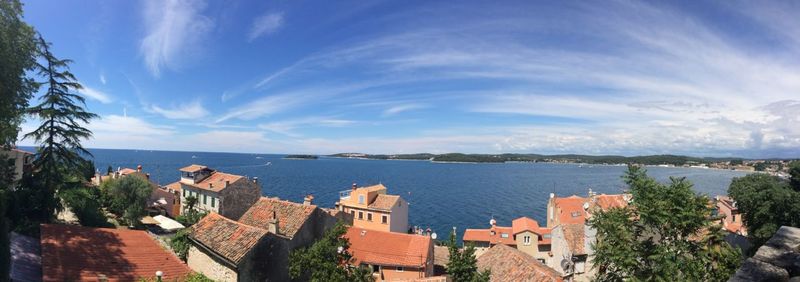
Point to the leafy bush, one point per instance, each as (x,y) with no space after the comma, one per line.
(86,207)
(180,243)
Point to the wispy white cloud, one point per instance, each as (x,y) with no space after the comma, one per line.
(174,30)
(192,110)
(266,106)
(265,24)
(102,78)
(288,127)
(95,94)
(396,109)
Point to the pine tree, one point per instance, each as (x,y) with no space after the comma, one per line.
(17,57)
(463,266)
(60,154)
(328,259)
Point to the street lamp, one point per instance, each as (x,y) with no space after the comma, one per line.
(158,275)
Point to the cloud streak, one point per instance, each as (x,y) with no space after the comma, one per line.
(193,110)
(95,94)
(265,24)
(174,29)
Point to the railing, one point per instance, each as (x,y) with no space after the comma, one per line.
(344,194)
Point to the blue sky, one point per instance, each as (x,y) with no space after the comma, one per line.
(615,77)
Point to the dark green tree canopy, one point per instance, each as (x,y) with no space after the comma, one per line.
(463,265)
(18,51)
(767,203)
(328,259)
(666,233)
(129,197)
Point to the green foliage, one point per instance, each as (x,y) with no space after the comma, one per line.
(17,57)
(463,266)
(666,233)
(767,203)
(323,261)
(180,243)
(129,197)
(60,153)
(192,277)
(794,173)
(190,217)
(499,158)
(86,206)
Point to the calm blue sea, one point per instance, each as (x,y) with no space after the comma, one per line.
(441,195)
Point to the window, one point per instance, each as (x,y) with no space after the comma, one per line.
(526,240)
(361,199)
(400,269)
(384,219)
(213,200)
(369,216)
(504,235)
(734,218)
(184,193)
(376,268)
(576,214)
(353,213)
(360,215)
(546,236)
(205,198)
(541,260)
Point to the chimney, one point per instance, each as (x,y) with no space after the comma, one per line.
(552,195)
(139,168)
(308,200)
(147,176)
(255,179)
(210,185)
(355,186)
(591,194)
(428,232)
(272,226)
(102,278)
(227,182)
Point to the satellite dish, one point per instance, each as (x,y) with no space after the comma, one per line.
(433,236)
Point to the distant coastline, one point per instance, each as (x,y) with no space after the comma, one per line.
(301,157)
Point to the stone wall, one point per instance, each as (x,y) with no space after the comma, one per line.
(238,197)
(201,262)
(777,260)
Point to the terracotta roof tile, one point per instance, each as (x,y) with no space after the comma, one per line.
(571,209)
(605,202)
(126,171)
(175,186)
(193,168)
(216,181)
(525,224)
(574,235)
(229,239)
(509,264)
(76,253)
(388,248)
(485,235)
(384,202)
(291,216)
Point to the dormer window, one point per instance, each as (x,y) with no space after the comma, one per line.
(361,199)
(503,235)
(576,214)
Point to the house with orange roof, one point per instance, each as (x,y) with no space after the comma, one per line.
(524,234)
(163,200)
(372,208)
(267,232)
(392,256)
(571,238)
(77,253)
(226,250)
(227,194)
(509,264)
(731,216)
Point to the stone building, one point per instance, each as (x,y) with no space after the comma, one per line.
(732,220)
(524,234)
(776,260)
(372,208)
(257,246)
(23,160)
(229,195)
(225,250)
(392,256)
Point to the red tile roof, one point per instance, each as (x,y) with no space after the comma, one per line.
(126,171)
(216,181)
(193,168)
(606,202)
(388,248)
(291,216)
(486,235)
(384,202)
(509,264)
(76,253)
(175,186)
(229,239)
(525,224)
(574,236)
(571,209)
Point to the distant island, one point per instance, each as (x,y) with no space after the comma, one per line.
(569,158)
(301,157)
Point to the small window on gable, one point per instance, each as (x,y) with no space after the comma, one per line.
(504,235)
(576,214)
(361,199)
(526,240)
